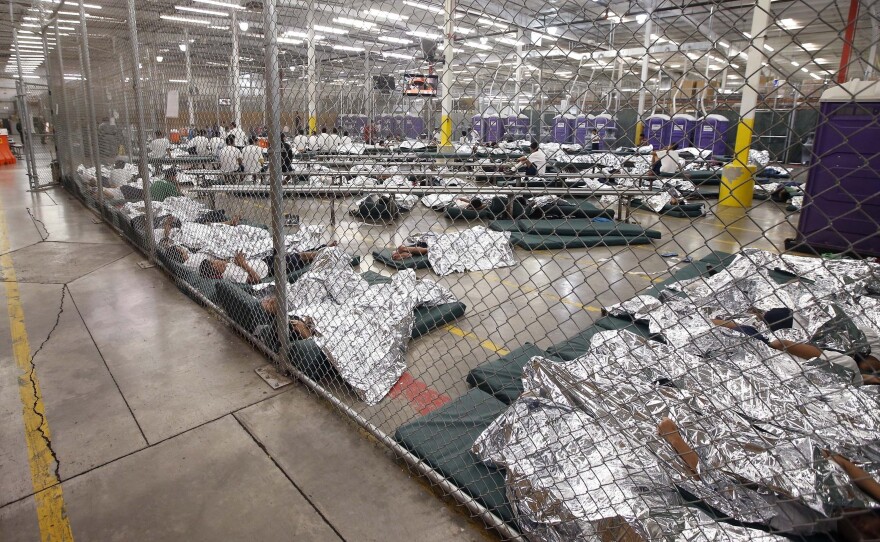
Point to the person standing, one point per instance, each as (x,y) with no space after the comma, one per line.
(240,137)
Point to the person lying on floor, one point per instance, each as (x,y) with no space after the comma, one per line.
(473,204)
(300,327)
(402,252)
(865,366)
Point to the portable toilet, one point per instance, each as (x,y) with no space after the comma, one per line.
(709,134)
(606,125)
(478,126)
(413,126)
(657,131)
(358,123)
(493,126)
(842,192)
(680,130)
(397,126)
(344,121)
(583,126)
(516,126)
(383,125)
(563,127)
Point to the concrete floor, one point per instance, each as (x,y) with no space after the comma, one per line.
(164,431)
(161,428)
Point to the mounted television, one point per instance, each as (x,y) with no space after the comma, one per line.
(416,84)
(384,83)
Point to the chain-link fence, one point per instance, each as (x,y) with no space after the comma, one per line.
(542,250)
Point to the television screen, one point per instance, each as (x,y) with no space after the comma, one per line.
(416,84)
(384,83)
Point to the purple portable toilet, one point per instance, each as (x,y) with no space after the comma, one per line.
(583,126)
(358,123)
(344,121)
(413,126)
(397,126)
(842,193)
(709,134)
(516,126)
(606,125)
(657,131)
(680,131)
(563,127)
(478,126)
(493,126)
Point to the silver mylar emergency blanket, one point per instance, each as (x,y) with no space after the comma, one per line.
(364,330)
(474,249)
(581,445)
(225,241)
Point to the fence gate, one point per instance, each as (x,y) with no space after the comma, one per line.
(37,132)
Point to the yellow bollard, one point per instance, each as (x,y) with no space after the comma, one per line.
(446,131)
(737,186)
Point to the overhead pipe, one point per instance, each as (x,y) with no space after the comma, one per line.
(848,37)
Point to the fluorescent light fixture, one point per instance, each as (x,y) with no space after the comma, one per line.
(220,4)
(641,18)
(389,39)
(189,20)
(814,76)
(564,73)
(87,6)
(348,48)
(724,44)
(200,10)
(771,49)
(422,34)
(489,22)
(789,24)
(159,58)
(733,76)
(508,41)
(216,27)
(675,65)
(398,55)
(243,26)
(809,47)
(426,7)
(365,25)
(735,66)
(289,41)
(821,60)
(693,56)
(182,47)
(477,45)
(746,34)
(330,29)
(382,14)
(805,70)
(178,81)
(793,63)
(743,54)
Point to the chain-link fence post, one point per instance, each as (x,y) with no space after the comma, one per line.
(127,117)
(51,100)
(23,108)
(273,111)
(143,167)
(65,132)
(90,107)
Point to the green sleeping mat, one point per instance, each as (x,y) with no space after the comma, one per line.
(443,439)
(688,210)
(531,241)
(575,208)
(714,260)
(573,227)
(502,377)
(497,207)
(415,262)
(578,345)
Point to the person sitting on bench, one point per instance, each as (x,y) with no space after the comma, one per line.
(536,162)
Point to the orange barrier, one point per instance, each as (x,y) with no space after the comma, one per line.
(263,142)
(174,136)
(6,156)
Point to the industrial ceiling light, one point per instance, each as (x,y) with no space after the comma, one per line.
(204,11)
(182,47)
(243,26)
(221,4)
(185,19)
(159,58)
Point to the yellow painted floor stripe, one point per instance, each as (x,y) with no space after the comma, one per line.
(51,511)
(485,343)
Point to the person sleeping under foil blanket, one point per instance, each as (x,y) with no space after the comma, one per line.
(363,330)
(235,252)
(473,249)
(828,311)
(638,438)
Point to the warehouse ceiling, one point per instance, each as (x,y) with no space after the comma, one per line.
(561,47)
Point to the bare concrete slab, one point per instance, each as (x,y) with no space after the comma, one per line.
(353,482)
(53,262)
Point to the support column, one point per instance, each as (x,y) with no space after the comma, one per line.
(189,83)
(54,121)
(848,39)
(67,125)
(448,75)
(737,184)
(27,123)
(518,73)
(127,118)
(138,86)
(312,92)
(90,104)
(235,84)
(640,120)
(273,112)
